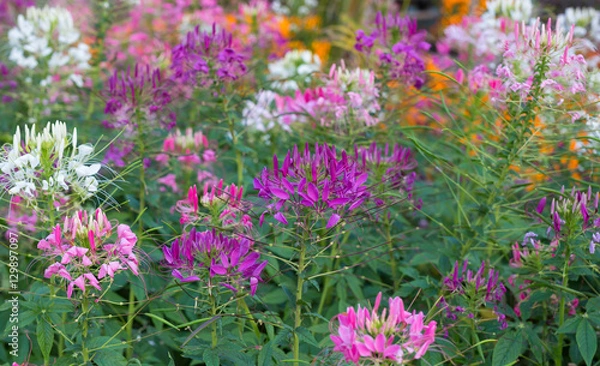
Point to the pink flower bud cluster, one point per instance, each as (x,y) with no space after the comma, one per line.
(186,148)
(221,206)
(395,335)
(215,259)
(538,52)
(86,251)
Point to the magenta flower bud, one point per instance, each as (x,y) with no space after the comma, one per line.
(541,205)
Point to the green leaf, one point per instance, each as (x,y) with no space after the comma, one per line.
(171,360)
(306,336)
(570,326)
(507,349)
(265,357)
(210,357)
(586,341)
(45,338)
(109,358)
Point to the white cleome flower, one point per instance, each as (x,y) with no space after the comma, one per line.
(293,67)
(518,10)
(47,36)
(48,163)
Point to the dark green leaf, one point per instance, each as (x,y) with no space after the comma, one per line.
(586,341)
(507,349)
(211,358)
(306,336)
(109,358)
(570,326)
(45,338)
(265,357)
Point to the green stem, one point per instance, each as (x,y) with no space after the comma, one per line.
(142,203)
(561,309)
(234,140)
(242,304)
(298,313)
(213,326)
(84,350)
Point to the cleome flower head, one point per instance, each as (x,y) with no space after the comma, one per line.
(318,183)
(296,66)
(204,57)
(86,252)
(49,163)
(396,335)
(214,259)
(47,36)
(218,206)
(138,96)
(467,291)
(399,46)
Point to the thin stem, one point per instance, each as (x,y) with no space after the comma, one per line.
(213,326)
(242,304)
(234,141)
(84,350)
(142,203)
(298,313)
(561,309)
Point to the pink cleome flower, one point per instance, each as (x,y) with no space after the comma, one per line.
(87,253)
(394,335)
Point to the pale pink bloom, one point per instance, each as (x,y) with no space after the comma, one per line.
(169,180)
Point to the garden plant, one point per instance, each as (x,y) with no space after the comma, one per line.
(298,182)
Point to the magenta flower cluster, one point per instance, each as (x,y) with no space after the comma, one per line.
(468,290)
(86,251)
(205,57)
(395,335)
(391,168)
(138,96)
(399,45)
(320,182)
(577,210)
(224,207)
(215,258)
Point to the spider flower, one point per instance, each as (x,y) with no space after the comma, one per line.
(86,251)
(399,46)
(392,169)
(214,259)
(204,57)
(395,335)
(49,163)
(186,147)
(296,66)
(46,40)
(578,211)
(467,291)
(320,183)
(223,205)
(138,96)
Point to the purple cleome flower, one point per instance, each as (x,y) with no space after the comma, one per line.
(214,258)
(204,57)
(321,182)
(401,47)
(138,93)
(480,287)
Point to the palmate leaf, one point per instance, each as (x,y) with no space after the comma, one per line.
(508,348)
